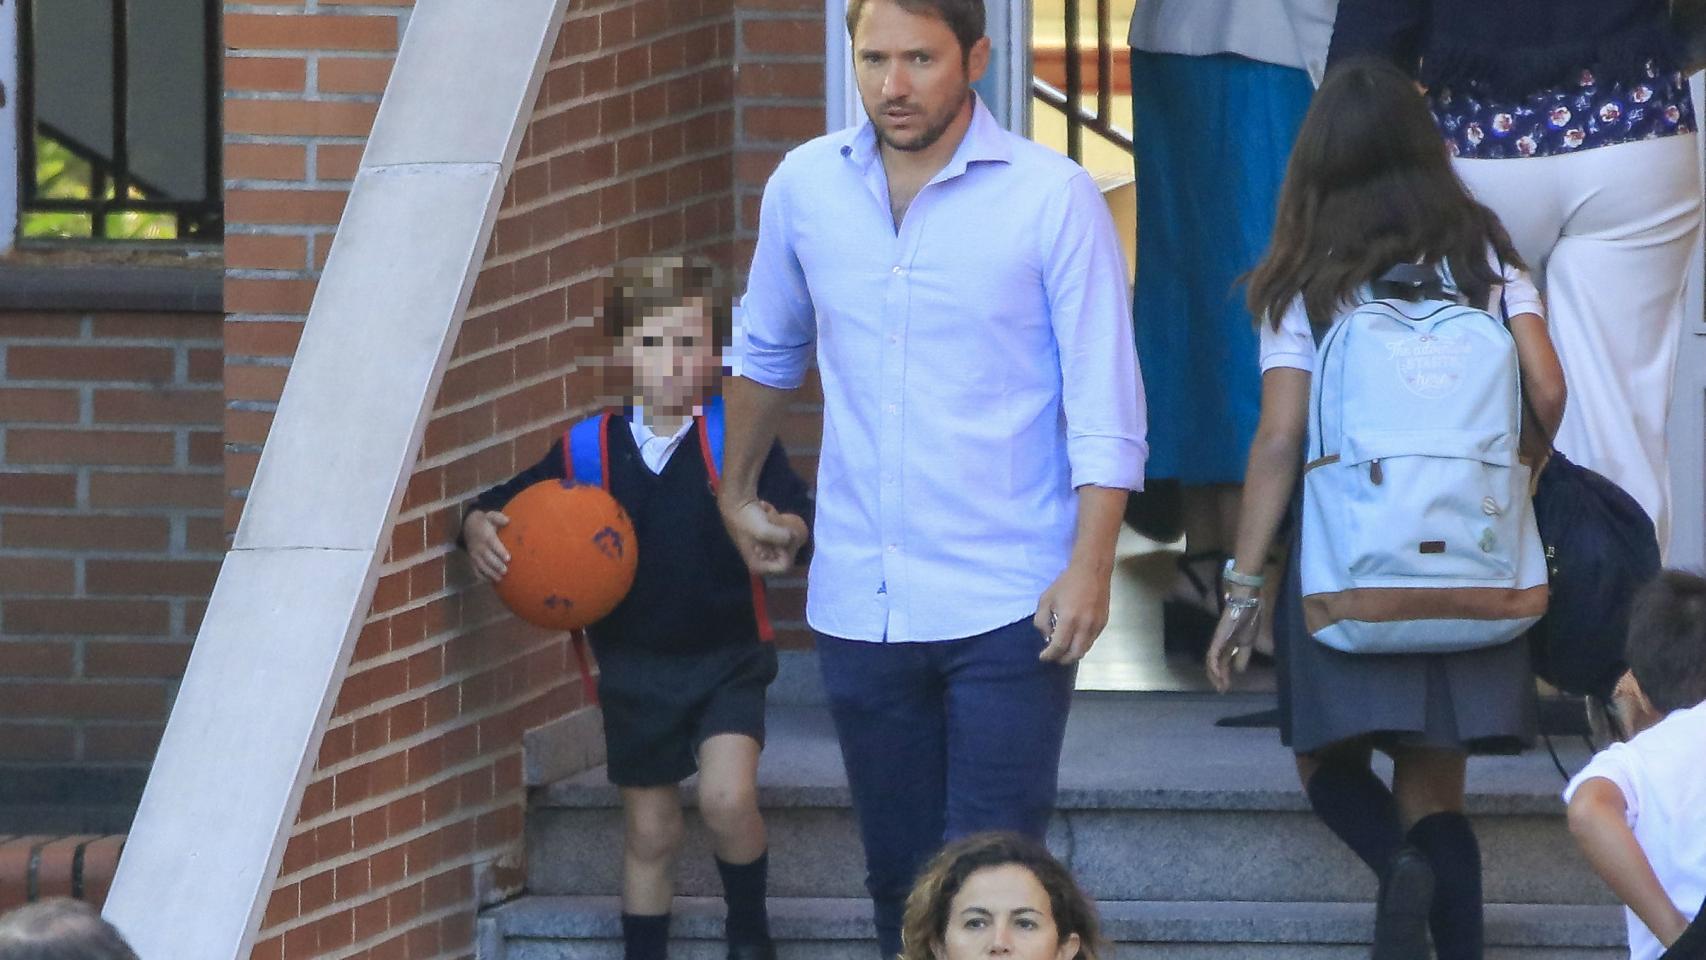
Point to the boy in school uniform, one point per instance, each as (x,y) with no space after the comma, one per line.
(1638,810)
(683,659)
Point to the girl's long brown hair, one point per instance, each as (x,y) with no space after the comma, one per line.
(1370,186)
(926,920)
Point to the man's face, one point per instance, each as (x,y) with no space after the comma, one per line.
(913,79)
(672,356)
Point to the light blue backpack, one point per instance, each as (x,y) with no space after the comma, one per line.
(1418,529)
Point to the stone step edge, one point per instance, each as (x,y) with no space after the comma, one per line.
(578,794)
(1125,921)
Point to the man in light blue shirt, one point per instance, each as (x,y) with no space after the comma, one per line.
(965,293)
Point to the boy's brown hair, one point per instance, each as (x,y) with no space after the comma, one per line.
(642,286)
(1667,641)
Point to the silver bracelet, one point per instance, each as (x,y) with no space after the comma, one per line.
(1244,605)
(1253,581)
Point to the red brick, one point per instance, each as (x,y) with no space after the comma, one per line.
(34,575)
(207,448)
(263,161)
(58,326)
(38,489)
(258,251)
(269,296)
(206,365)
(202,490)
(38,406)
(159,326)
(780,80)
(85,616)
(266,73)
(89,363)
(158,406)
(151,577)
(245,381)
(83,532)
(86,701)
(52,659)
(285,207)
(158,660)
(294,118)
(130,743)
(795,37)
(299,32)
(350,75)
(114,447)
(37,742)
(336,161)
(787,124)
(262,338)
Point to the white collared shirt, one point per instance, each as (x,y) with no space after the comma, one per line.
(655,449)
(1658,772)
(977,366)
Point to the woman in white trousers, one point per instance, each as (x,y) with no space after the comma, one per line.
(1573,121)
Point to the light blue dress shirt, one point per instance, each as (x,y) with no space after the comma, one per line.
(977,365)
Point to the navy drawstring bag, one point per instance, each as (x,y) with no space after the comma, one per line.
(1600,549)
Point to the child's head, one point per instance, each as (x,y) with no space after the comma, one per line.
(1667,641)
(1370,186)
(669,318)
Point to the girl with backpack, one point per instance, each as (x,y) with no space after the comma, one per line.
(1371,211)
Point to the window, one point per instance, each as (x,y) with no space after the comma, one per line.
(118,105)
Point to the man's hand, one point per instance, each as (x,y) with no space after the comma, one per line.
(767,542)
(1073,611)
(480,532)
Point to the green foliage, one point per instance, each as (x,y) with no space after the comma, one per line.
(62,175)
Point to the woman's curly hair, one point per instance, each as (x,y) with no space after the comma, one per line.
(927,907)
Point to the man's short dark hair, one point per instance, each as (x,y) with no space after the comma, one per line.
(964,17)
(1667,640)
(60,929)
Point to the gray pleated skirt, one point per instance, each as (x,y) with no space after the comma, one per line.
(1478,701)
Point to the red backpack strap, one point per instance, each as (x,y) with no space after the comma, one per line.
(709,426)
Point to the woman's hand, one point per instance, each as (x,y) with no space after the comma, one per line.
(1234,637)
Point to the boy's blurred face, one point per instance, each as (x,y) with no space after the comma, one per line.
(672,356)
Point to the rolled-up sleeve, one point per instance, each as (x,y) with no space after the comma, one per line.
(1090,310)
(777,323)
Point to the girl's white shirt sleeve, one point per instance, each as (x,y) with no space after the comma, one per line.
(1293,343)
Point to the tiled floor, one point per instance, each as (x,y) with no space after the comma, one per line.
(1129,656)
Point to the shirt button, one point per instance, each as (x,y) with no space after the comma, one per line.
(893,408)
(893,338)
(899,271)
(894,548)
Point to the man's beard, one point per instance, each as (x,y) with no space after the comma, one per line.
(929,135)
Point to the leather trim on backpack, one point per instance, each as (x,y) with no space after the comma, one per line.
(1394,604)
(1321,462)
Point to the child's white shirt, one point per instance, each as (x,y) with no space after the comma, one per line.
(655,449)
(1662,776)
(1293,344)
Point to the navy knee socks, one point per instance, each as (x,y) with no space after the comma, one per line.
(1448,841)
(1357,806)
(744,889)
(645,937)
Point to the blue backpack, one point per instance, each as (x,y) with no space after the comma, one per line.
(586,452)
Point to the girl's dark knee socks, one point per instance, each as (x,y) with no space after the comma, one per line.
(645,937)
(1448,841)
(1359,808)
(745,887)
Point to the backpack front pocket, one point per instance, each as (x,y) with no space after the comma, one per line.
(1433,504)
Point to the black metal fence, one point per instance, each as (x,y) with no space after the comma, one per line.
(1071,100)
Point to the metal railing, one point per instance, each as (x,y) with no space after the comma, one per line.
(114,186)
(1070,101)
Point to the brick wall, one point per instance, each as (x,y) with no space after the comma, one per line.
(110,493)
(413,815)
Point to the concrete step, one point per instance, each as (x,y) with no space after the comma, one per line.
(1156,803)
(586,928)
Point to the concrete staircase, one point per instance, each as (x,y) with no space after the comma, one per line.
(1194,838)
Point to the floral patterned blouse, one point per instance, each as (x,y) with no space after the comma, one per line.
(1563,119)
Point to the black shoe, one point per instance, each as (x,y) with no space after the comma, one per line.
(753,951)
(1401,917)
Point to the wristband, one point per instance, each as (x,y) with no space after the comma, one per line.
(1253,581)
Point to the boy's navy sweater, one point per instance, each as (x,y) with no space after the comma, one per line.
(692,591)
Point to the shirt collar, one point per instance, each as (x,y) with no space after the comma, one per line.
(642,428)
(985,140)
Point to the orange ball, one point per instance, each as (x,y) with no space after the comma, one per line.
(571,555)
